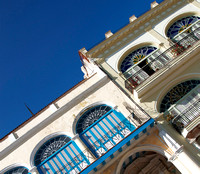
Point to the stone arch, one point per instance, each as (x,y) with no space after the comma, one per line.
(141,151)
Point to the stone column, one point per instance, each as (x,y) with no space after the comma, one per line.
(181,159)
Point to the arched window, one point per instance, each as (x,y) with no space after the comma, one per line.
(60,154)
(17,170)
(176,93)
(50,147)
(181,104)
(184,33)
(182,25)
(135,57)
(141,64)
(91,116)
(101,127)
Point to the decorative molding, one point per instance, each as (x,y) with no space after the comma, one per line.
(125,34)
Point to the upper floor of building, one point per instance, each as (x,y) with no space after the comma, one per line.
(155,60)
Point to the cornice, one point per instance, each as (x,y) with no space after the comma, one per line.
(135,28)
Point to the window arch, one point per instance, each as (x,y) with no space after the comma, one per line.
(91,116)
(60,154)
(136,56)
(17,170)
(140,64)
(176,93)
(182,24)
(50,147)
(101,127)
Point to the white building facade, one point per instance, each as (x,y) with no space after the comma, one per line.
(136,111)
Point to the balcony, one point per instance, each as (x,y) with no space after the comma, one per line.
(185,114)
(157,60)
(104,149)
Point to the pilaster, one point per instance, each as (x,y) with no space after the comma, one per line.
(158,36)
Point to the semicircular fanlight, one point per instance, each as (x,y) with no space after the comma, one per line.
(180,25)
(50,147)
(91,116)
(176,93)
(17,170)
(134,57)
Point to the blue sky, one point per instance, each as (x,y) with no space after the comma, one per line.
(39,43)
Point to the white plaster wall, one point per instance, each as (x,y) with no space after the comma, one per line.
(142,39)
(161,26)
(64,122)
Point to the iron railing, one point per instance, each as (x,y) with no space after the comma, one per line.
(180,120)
(87,157)
(111,138)
(183,119)
(157,60)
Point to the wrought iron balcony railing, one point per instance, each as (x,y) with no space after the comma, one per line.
(193,28)
(183,119)
(155,61)
(86,158)
(185,111)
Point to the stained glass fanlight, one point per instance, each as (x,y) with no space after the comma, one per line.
(50,147)
(181,25)
(17,170)
(176,93)
(134,57)
(91,116)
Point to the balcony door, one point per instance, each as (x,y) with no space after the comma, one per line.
(101,128)
(140,64)
(60,155)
